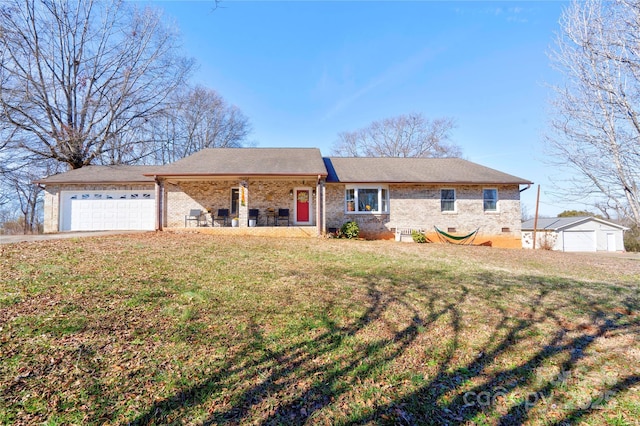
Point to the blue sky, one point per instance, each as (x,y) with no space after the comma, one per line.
(304,71)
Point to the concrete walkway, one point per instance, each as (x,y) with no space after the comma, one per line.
(9,239)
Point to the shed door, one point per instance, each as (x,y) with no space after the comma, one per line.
(611,241)
(107,210)
(579,241)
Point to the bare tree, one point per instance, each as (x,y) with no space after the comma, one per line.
(27,195)
(409,135)
(595,123)
(76,75)
(200,118)
(22,195)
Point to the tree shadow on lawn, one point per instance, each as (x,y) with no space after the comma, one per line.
(307,381)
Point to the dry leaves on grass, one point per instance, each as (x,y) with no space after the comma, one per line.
(161,328)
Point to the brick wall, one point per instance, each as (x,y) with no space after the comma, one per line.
(409,206)
(419,206)
(371,225)
(51,209)
(214,195)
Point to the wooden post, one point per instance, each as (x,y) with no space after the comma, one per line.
(317,199)
(159,193)
(535,219)
(324,206)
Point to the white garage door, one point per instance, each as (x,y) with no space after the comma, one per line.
(107,210)
(579,241)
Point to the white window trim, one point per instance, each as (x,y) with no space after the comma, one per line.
(379,188)
(455,201)
(497,210)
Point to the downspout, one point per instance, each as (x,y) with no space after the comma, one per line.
(524,189)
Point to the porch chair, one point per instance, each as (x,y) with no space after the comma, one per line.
(253,215)
(223,215)
(194,215)
(283,214)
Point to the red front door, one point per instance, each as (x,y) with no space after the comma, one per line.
(302,205)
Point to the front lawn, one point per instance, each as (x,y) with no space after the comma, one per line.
(195,329)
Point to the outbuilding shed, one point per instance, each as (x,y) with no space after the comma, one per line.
(575,234)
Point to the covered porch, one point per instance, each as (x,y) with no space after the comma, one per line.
(242,205)
(247,189)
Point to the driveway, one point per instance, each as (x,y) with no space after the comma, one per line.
(8,239)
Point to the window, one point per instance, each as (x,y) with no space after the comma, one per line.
(384,200)
(235,201)
(367,199)
(448,200)
(350,199)
(490,199)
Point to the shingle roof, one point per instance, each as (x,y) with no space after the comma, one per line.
(557,223)
(248,162)
(296,162)
(102,174)
(414,170)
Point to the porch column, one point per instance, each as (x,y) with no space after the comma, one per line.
(243,208)
(159,203)
(322,224)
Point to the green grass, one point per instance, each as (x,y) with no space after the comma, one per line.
(195,329)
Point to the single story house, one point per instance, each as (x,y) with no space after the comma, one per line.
(583,233)
(321,194)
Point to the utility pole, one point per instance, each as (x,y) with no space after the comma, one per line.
(535,218)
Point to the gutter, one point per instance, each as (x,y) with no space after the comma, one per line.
(230,175)
(96,182)
(431,182)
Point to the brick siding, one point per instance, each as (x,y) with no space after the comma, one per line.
(418,206)
(259,194)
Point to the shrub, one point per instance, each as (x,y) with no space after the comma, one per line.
(418,237)
(350,230)
(632,239)
(547,240)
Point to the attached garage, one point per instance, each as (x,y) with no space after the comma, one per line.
(107,210)
(574,234)
(100,198)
